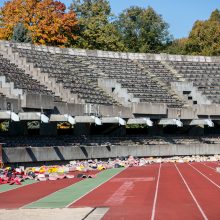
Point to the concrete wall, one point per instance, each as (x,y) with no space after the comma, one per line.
(213,109)
(184,113)
(37,101)
(113,111)
(68,108)
(194,92)
(13,155)
(149,108)
(10,104)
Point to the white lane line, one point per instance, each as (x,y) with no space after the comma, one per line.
(205,176)
(155,195)
(95,188)
(208,166)
(194,198)
(217,163)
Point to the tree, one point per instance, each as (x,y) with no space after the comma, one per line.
(204,39)
(143,30)
(95,29)
(177,46)
(20,34)
(46,20)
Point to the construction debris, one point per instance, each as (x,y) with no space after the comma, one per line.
(79,169)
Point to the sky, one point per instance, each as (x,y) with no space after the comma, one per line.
(179,14)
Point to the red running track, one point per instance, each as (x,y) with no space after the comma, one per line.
(181,193)
(208,171)
(20,197)
(168,191)
(127,199)
(174,200)
(205,192)
(214,165)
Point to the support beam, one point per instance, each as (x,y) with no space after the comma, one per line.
(113,120)
(9,115)
(202,122)
(62,118)
(167,121)
(33,116)
(140,121)
(88,119)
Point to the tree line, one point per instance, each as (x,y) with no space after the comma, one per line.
(90,24)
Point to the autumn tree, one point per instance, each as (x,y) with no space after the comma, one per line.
(46,20)
(96,30)
(204,39)
(143,30)
(177,46)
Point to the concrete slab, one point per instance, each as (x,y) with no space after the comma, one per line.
(42,214)
(97,214)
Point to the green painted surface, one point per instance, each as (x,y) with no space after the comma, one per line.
(64,197)
(6,187)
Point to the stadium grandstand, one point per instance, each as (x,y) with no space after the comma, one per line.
(63,104)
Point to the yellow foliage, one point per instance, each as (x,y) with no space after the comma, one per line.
(46,20)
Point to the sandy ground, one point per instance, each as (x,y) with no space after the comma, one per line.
(54,214)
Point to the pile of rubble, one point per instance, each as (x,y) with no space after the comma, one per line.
(80,169)
(182,159)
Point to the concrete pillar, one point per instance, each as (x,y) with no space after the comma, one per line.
(82,129)
(18,128)
(48,128)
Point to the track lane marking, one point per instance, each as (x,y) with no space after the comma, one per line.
(95,188)
(192,195)
(118,197)
(204,176)
(217,163)
(208,166)
(155,195)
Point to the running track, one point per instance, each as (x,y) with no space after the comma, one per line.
(167,191)
(23,195)
(178,191)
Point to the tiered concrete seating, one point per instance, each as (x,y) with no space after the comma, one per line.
(68,71)
(159,70)
(204,75)
(21,80)
(135,80)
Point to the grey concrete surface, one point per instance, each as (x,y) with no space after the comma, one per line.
(38,154)
(46,214)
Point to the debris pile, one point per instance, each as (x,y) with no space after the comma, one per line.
(82,169)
